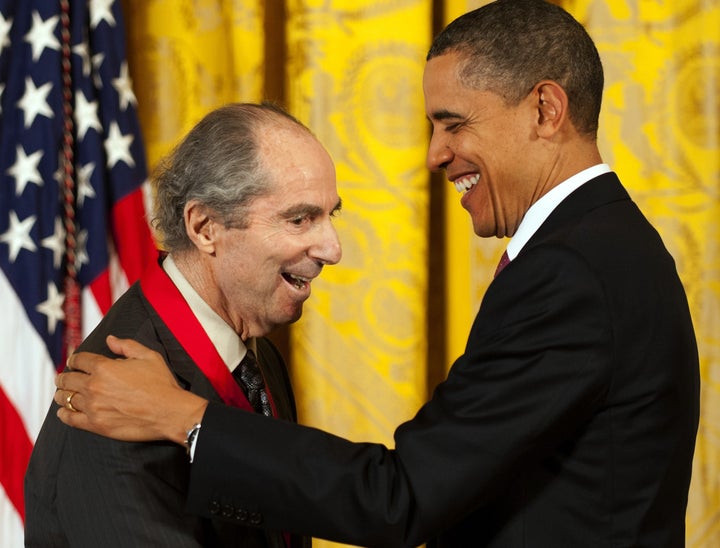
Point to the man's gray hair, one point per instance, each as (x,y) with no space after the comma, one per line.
(218,164)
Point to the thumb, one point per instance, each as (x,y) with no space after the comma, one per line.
(127,348)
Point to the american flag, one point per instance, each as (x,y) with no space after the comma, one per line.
(70,148)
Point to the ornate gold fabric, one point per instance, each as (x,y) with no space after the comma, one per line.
(354,74)
(188,57)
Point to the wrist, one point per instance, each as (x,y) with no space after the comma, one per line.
(184,419)
(191,438)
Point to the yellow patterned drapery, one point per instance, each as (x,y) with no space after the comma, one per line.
(352,72)
(188,57)
(359,350)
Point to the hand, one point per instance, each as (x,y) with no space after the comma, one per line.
(132,399)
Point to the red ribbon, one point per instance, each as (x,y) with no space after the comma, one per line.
(172,308)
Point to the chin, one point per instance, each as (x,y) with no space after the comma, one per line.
(293,315)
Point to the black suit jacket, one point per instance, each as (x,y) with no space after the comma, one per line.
(569,420)
(84,490)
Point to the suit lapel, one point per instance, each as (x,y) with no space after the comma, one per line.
(597,192)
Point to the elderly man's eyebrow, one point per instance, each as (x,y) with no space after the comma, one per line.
(312,210)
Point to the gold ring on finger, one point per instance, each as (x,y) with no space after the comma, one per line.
(68,401)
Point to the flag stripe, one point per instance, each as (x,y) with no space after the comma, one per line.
(131,232)
(13,434)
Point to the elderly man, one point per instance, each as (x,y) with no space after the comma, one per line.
(569,420)
(245,235)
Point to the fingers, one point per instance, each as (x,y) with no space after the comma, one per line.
(128,348)
(73,418)
(85,362)
(68,399)
(71,381)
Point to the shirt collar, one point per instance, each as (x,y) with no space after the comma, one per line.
(542,209)
(224,338)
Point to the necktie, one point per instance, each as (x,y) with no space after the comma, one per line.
(248,376)
(504,261)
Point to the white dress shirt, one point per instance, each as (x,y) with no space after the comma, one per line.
(542,209)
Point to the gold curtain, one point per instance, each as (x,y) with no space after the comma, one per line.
(359,351)
(398,308)
(188,57)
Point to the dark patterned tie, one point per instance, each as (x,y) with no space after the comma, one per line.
(504,261)
(248,376)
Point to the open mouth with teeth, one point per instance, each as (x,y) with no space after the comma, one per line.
(463,184)
(298,282)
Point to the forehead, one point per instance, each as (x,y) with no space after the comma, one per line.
(441,80)
(295,161)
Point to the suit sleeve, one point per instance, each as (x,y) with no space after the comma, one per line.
(122,495)
(535,368)
(114,493)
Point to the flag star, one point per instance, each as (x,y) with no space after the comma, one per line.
(25,169)
(59,174)
(34,101)
(18,236)
(2,88)
(84,187)
(99,10)
(52,307)
(123,85)
(117,147)
(81,50)
(42,35)
(81,255)
(56,243)
(5,26)
(97,61)
(86,115)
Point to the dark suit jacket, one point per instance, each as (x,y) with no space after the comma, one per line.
(569,421)
(84,490)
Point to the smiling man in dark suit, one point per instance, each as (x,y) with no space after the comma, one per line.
(243,237)
(569,420)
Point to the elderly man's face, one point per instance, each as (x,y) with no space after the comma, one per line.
(264,271)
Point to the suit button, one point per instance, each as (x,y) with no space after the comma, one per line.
(214,507)
(241,514)
(256,518)
(228,510)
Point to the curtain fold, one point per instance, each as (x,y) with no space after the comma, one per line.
(359,350)
(189,57)
(353,76)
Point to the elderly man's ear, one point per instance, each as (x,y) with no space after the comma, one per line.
(200,226)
